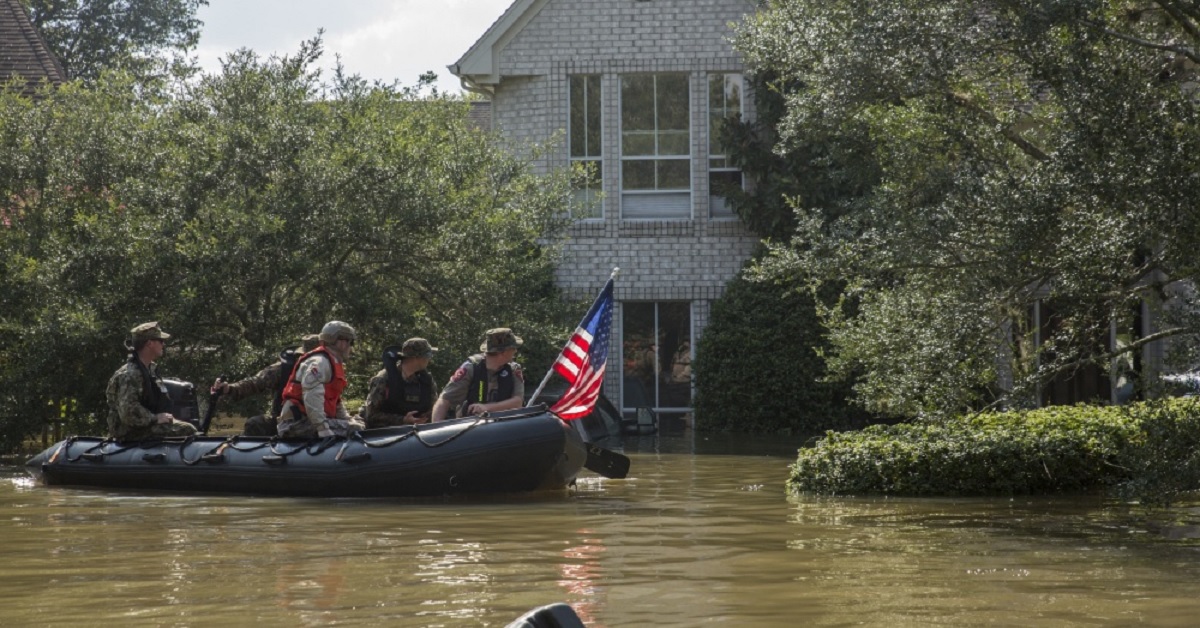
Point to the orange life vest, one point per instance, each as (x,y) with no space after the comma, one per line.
(294,391)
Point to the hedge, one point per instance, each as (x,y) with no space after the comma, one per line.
(757,366)
(1145,451)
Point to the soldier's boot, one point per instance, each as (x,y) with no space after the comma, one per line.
(261,425)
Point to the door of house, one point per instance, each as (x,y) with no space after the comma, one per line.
(656,351)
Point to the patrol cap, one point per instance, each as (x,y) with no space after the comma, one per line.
(499,339)
(417,348)
(148,331)
(310,342)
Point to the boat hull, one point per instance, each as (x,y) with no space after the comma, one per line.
(507,454)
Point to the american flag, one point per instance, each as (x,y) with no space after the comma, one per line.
(582,360)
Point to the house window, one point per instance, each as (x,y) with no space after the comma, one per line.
(585,133)
(655,146)
(725,92)
(657,352)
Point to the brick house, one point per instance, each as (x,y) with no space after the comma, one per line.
(635,90)
(24,54)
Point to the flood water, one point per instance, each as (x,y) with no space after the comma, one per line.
(701,533)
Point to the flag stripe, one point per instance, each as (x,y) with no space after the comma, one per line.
(583,358)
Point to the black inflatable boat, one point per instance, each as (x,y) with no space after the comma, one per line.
(528,449)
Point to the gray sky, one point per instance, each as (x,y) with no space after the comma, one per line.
(378,39)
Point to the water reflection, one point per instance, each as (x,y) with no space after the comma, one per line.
(581,576)
(687,539)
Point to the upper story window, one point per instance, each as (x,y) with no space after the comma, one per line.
(585,132)
(655,146)
(725,92)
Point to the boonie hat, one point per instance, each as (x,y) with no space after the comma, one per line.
(148,331)
(499,339)
(310,342)
(417,348)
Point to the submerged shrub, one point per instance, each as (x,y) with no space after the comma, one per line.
(1144,451)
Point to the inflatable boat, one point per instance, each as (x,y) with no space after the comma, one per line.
(522,450)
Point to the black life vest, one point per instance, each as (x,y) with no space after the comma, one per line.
(154,396)
(405,396)
(478,391)
(287,363)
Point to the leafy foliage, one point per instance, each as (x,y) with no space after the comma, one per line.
(89,36)
(1009,152)
(1164,462)
(1137,451)
(758,366)
(816,172)
(244,210)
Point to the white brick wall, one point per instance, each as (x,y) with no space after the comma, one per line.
(676,260)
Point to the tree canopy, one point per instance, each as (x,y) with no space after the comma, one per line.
(91,35)
(1008,152)
(245,209)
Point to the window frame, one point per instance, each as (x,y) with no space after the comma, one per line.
(585,202)
(718,206)
(658,159)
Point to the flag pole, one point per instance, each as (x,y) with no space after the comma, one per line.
(615,271)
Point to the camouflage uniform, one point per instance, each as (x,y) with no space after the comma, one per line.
(269,380)
(457,389)
(128,417)
(265,381)
(379,391)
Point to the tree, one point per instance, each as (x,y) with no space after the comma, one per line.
(752,380)
(1025,151)
(244,210)
(91,35)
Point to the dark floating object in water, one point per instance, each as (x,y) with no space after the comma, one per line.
(551,616)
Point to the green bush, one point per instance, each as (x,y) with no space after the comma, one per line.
(757,366)
(1145,451)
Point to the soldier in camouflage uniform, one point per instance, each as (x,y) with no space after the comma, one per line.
(138,403)
(312,397)
(403,392)
(486,382)
(269,380)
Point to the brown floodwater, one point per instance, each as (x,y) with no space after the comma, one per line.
(702,532)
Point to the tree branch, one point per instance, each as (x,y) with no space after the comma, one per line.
(1180,18)
(1133,346)
(1007,130)
(1145,43)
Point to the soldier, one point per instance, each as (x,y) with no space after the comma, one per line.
(139,406)
(486,382)
(403,392)
(271,379)
(312,398)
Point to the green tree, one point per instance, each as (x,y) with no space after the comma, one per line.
(89,36)
(246,209)
(1026,151)
(759,368)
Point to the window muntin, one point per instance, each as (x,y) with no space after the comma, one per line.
(655,146)
(585,133)
(725,95)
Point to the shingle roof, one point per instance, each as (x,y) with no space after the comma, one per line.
(23,52)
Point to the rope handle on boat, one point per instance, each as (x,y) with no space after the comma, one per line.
(480,421)
(216,454)
(91,455)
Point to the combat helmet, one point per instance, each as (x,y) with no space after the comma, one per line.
(336,330)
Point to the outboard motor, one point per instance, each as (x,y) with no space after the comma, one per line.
(184,404)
